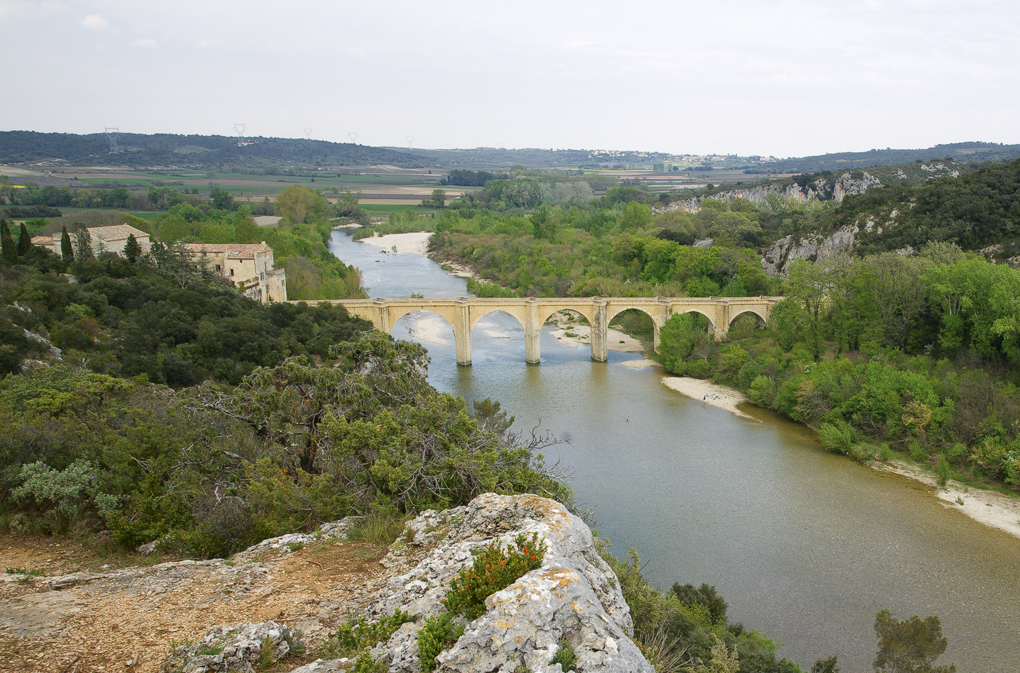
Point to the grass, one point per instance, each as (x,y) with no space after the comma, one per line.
(378,529)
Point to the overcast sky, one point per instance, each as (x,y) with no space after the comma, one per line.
(787,78)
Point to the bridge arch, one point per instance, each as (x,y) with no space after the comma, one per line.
(398,316)
(711,324)
(759,313)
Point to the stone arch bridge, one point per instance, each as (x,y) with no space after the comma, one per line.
(463,313)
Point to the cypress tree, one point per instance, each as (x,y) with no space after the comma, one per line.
(66,251)
(8,247)
(24,241)
(131,248)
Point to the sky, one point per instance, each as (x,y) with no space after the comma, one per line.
(781,78)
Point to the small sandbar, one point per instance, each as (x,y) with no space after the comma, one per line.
(638,364)
(708,393)
(416,242)
(988,507)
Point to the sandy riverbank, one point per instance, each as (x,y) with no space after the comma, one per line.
(708,393)
(572,335)
(415,242)
(988,507)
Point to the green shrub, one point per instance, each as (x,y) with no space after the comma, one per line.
(436,635)
(565,656)
(358,634)
(493,569)
(64,496)
(916,451)
(942,471)
(366,664)
(763,391)
(697,369)
(837,436)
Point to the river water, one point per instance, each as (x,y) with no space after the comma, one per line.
(806,546)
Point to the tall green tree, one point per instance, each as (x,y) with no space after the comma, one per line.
(82,242)
(9,247)
(221,199)
(66,249)
(24,241)
(131,249)
(909,645)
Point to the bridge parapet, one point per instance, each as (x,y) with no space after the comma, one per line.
(462,313)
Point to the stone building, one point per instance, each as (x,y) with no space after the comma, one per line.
(248,265)
(104,239)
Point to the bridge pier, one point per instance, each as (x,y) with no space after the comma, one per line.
(600,331)
(532,333)
(462,332)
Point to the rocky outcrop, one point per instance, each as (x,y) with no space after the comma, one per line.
(822,189)
(777,259)
(573,597)
(242,648)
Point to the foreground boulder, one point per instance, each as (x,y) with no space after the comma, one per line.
(574,597)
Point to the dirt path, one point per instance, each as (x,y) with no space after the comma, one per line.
(127,619)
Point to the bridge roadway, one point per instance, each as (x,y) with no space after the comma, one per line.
(463,313)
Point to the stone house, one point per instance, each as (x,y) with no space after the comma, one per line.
(104,239)
(248,265)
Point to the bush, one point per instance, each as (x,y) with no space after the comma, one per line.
(763,391)
(942,471)
(358,634)
(837,436)
(697,369)
(64,496)
(436,635)
(494,569)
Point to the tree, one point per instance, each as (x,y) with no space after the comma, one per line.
(677,339)
(66,251)
(24,241)
(82,242)
(9,247)
(909,646)
(439,198)
(298,205)
(221,199)
(131,249)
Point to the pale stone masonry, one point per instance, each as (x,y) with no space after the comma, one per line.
(248,265)
(104,239)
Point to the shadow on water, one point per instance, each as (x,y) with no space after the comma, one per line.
(805,545)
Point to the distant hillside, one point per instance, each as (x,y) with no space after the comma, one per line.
(134,149)
(483,157)
(964,152)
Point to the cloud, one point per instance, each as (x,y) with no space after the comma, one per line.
(144,42)
(95,22)
(209,43)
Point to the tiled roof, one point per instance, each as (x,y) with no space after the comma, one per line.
(116,232)
(231,250)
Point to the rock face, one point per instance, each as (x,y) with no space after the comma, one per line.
(777,259)
(821,189)
(574,596)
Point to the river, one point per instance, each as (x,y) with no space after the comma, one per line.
(806,546)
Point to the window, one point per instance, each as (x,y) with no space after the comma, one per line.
(231,272)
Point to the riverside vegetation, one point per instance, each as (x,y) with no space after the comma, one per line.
(885,353)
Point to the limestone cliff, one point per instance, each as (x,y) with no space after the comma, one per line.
(820,189)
